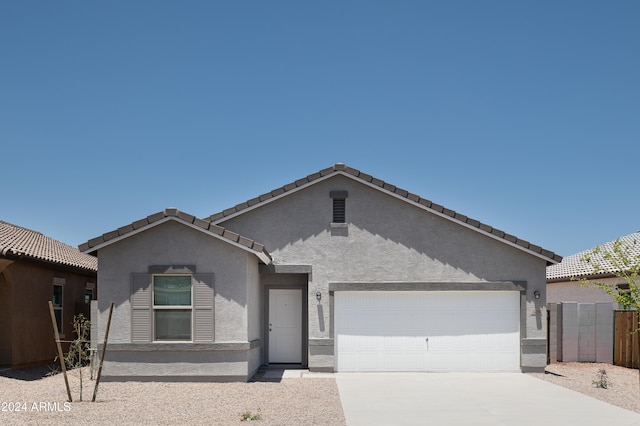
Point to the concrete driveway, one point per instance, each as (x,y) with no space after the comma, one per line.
(469,399)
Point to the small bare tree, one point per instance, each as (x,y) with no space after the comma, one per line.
(620,258)
(79,353)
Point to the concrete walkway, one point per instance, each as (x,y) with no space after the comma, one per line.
(275,375)
(469,399)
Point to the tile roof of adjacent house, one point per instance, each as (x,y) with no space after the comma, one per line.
(574,266)
(17,242)
(405,195)
(176,215)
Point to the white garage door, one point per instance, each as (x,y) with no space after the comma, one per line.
(427,330)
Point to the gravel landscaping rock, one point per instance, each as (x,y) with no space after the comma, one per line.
(623,385)
(28,398)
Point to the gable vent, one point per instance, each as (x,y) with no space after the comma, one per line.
(339,206)
(339,210)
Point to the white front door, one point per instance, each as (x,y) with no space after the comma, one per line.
(285,326)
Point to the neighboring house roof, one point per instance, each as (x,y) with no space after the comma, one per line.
(574,266)
(18,243)
(173,214)
(342,169)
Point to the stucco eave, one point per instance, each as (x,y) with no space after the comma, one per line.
(285,269)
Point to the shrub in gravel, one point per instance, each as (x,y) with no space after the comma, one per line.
(602,380)
(248,416)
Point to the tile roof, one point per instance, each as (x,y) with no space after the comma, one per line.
(175,214)
(18,242)
(395,191)
(573,266)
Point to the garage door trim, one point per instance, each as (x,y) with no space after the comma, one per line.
(520,286)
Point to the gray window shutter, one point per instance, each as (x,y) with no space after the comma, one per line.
(141,308)
(203,300)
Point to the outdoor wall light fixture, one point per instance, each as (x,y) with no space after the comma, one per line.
(536,294)
(318,295)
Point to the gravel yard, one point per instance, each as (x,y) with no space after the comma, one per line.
(623,389)
(309,401)
(28,398)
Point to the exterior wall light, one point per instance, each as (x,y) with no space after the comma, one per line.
(318,295)
(536,294)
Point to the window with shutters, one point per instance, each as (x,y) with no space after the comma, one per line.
(172,307)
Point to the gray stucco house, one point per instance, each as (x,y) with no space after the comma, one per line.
(337,271)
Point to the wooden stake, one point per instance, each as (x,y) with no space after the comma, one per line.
(59,346)
(104,350)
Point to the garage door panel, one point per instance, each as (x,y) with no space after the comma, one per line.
(427,331)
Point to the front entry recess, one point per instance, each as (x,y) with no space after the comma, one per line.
(285,326)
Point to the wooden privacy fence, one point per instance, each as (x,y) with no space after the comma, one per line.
(625,350)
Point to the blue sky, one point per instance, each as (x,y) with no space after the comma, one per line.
(523,115)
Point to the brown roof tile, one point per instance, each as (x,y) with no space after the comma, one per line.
(473,222)
(460,217)
(155,217)
(124,230)
(425,202)
(245,241)
(16,241)
(201,223)
(412,198)
(232,236)
(216,229)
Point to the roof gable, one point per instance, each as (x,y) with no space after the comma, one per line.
(172,214)
(394,191)
(573,266)
(21,243)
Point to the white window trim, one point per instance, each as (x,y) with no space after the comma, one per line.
(155,308)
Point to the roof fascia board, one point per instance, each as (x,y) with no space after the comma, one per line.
(49,264)
(393,194)
(580,277)
(97,247)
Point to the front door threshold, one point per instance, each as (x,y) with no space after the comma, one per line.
(284,366)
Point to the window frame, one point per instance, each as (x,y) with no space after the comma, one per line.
(58,283)
(155,308)
(88,292)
